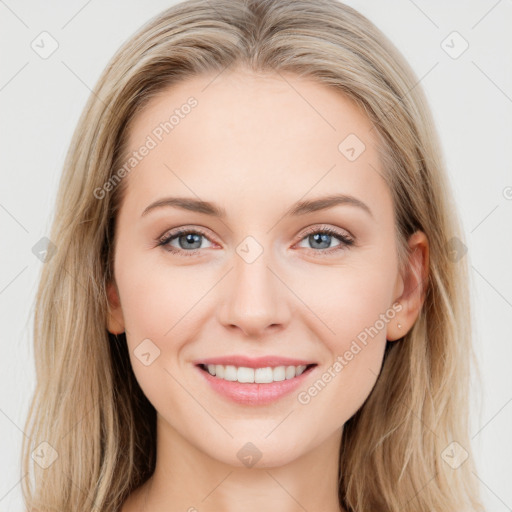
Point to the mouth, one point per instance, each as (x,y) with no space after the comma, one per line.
(248,375)
(255,386)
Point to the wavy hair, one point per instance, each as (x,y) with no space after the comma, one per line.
(87,404)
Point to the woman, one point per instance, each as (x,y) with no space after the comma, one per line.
(254,369)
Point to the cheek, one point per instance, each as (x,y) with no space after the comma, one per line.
(157,303)
(163,307)
(155,295)
(352,301)
(355,308)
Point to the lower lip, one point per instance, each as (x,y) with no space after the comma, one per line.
(254,393)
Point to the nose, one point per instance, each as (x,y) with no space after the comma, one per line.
(255,298)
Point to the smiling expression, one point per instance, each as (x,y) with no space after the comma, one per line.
(247,231)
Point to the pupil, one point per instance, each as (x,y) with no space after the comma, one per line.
(322,237)
(191,238)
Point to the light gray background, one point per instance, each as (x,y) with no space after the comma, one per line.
(471,98)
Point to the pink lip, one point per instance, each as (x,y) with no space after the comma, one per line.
(254,362)
(254,393)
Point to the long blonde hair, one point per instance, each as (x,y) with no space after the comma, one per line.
(88,406)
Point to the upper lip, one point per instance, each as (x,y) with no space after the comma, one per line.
(254,362)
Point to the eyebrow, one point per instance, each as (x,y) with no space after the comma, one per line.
(297,209)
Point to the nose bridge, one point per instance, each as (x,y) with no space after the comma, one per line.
(255,297)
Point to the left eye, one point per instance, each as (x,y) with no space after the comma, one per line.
(323,236)
(324,239)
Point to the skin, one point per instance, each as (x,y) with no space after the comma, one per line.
(255,145)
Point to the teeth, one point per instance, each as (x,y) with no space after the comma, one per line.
(245,374)
(290,372)
(230,373)
(263,375)
(257,375)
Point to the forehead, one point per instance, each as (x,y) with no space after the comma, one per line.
(253,137)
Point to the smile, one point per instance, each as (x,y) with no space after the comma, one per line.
(264,375)
(254,386)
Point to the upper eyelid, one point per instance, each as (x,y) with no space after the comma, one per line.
(173,233)
(336,231)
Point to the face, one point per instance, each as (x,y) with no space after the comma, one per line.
(259,280)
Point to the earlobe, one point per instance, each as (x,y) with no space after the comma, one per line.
(413,287)
(115,319)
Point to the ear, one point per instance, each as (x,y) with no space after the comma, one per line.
(410,289)
(115,319)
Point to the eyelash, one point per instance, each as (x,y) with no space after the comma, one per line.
(346,241)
